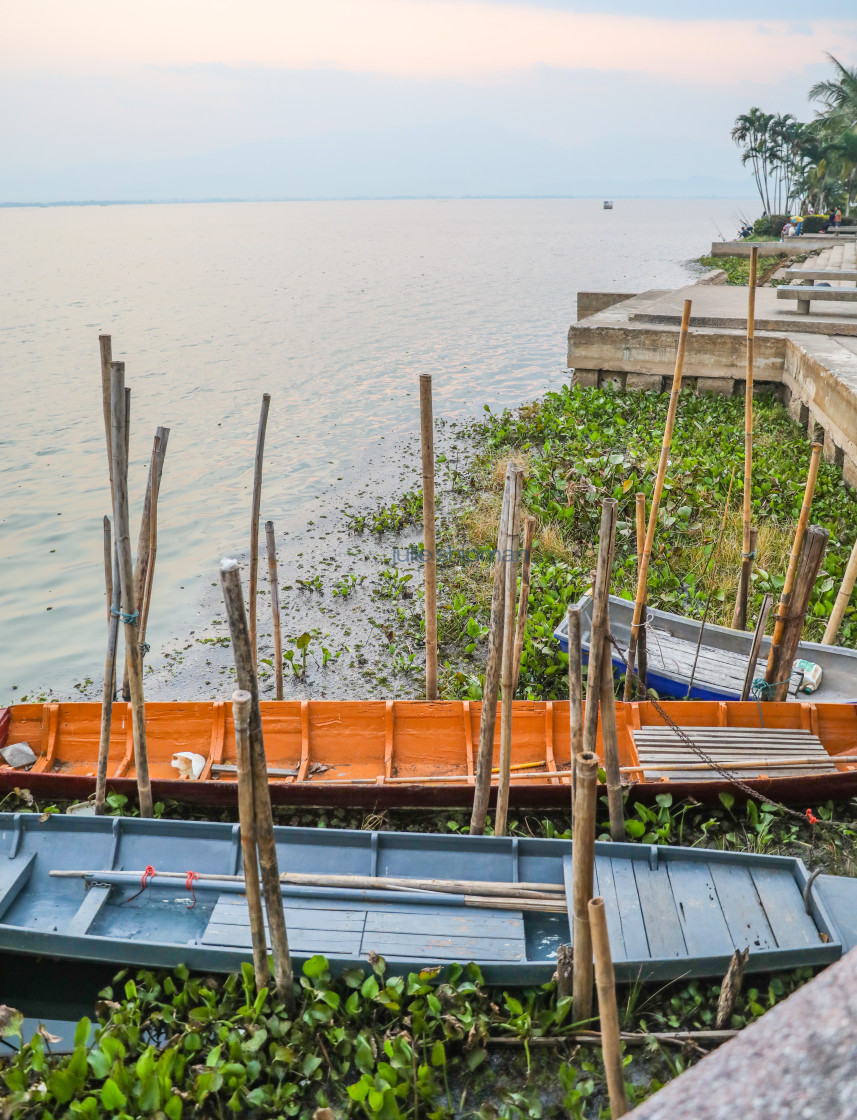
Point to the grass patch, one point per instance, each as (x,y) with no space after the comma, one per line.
(737,269)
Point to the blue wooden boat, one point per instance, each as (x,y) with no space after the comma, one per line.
(722,662)
(671,912)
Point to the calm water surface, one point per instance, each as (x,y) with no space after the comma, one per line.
(334,308)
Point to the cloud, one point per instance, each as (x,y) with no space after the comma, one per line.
(469,40)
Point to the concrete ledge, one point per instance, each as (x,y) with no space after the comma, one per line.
(590,303)
(794,247)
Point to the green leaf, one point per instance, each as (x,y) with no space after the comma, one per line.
(438,1054)
(112,1096)
(82,1031)
(63,1085)
(173,1108)
(315,967)
(310,1064)
(727,800)
(359,1090)
(635,828)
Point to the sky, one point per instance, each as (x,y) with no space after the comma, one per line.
(349,98)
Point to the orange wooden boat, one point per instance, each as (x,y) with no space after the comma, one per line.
(421,754)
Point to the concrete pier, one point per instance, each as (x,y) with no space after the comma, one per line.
(810,362)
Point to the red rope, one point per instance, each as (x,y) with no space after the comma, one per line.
(148,874)
(191,875)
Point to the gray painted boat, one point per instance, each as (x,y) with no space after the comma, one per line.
(672,912)
(723,655)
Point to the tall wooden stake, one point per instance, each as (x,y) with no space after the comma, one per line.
(254,521)
(130,615)
(105,346)
(108,564)
(643,575)
(154,478)
(523,602)
(241,702)
(109,686)
(610,746)
(608,1013)
(429,539)
(783,608)
(275,606)
(755,646)
(642,655)
(783,652)
(583,865)
(598,626)
(493,662)
(739,615)
(511,588)
(843,597)
(247,681)
(575,693)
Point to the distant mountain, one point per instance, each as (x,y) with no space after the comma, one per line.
(469,158)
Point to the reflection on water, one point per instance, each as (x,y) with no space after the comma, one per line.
(334,308)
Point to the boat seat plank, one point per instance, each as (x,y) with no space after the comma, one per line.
(660,746)
(784,907)
(445,920)
(839,896)
(663,928)
(458,947)
(93,902)
(702,923)
(231,910)
(336,943)
(715,668)
(742,908)
(606,888)
(14,876)
(634,933)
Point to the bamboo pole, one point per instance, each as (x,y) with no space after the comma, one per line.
(755,646)
(485,755)
(429,538)
(523,602)
(130,615)
(564,971)
(782,655)
(843,598)
(599,624)
(254,522)
(610,747)
(154,476)
(105,346)
(642,654)
(275,606)
(757,764)
(748,548)
(108,564)
(241,701)
(247,681)
(508,671)
(575,693)
(109,687)
(784,605)
(583,864)
(608,1014)
(643,575)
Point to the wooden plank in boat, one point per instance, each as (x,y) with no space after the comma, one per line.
(783,903)
(658,747)
(439,947)
(663,929)
(606,888)
(742,908)
(14,876)
(702,923)
(232,910)
(93,903)
(628,901)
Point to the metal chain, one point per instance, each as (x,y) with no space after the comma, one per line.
(700,753)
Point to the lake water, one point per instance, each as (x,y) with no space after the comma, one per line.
(334,308)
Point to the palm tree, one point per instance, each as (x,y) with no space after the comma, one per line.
(750,131)
(840,95)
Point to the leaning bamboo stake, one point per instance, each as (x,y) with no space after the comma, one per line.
(755,646)
(843,598)
(599,624)
(642,654)
(523,601)
(784,605)
(780,664)
(153,545)
(643,574)
(271,545)
(583,864)
(429,539)
(610,746)
(748,550)
(247,681)
(130,616)
(105,346)
(608,1013)
(109,687)
(241,701)
(511,587)
(254,521)
(108,564)
(575,693)
(493,662)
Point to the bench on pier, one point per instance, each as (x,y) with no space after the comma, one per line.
(775,752)
(840,275)
(804,295)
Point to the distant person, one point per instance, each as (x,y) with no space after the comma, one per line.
(798,226)
(837,218)
(746,231)
(788,231)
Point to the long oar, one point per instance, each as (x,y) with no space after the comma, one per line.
(523,601)
(643,576)
(739,615)
(429,536)
(843,598)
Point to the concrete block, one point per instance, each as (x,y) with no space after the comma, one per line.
(586,378)
(18,755)
(644,383)
(832,453)
(849,473)
(723,386)
(590,303)
(613,380)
